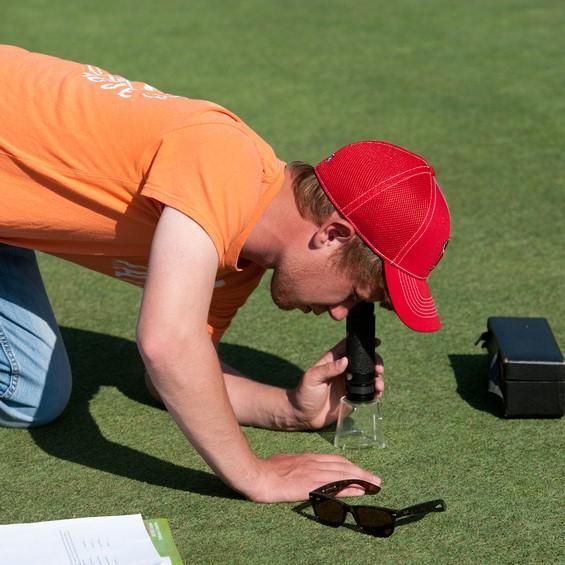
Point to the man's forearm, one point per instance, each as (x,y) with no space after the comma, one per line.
(258,404)
(254,403)
(190,383)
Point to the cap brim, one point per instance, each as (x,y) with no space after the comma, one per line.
(412,300)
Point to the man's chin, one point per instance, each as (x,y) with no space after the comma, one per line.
(285,305)
(284,301)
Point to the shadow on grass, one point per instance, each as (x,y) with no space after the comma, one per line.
(269,369)
(471,374)
(260,366)
(328,434)
(102,360)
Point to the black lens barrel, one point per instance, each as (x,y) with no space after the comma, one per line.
(360,382)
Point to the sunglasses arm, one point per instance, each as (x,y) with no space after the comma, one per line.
(334,488)
(423,508)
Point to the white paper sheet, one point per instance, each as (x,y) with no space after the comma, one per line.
(108,540)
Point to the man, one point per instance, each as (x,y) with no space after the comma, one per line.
(182,198)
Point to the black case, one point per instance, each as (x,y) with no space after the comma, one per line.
(526,367)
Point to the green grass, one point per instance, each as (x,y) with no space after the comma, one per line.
(477,87)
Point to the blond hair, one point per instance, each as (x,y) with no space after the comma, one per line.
(313,204)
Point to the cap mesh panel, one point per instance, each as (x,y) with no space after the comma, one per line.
(409,212)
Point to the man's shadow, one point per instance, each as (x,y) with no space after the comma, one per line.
(99,360)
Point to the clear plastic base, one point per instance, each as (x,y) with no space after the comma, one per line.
(359,425)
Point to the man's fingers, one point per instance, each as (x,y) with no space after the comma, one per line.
(327,368)
(330,370)
(379,386)
(351,491)
(343,471)
(338,468)
(339,349)
(292,477)
(335,353)
(379,365)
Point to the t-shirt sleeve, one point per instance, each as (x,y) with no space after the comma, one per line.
(210,172)
(230,294)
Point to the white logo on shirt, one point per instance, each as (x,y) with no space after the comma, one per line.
(124,87)
(137,274)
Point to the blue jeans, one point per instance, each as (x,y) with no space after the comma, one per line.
(35,375)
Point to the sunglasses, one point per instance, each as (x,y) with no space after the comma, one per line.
(374,520)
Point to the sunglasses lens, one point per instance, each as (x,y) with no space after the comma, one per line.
(329,512)
(375,521)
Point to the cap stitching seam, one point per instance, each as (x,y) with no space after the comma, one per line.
(418,304)
(424,303)
(390,182)
(420,231)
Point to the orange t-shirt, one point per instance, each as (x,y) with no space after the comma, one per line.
(88,160)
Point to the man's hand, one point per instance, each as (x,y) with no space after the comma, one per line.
(315,400)
(290,478)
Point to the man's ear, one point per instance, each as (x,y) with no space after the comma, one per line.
(334,232)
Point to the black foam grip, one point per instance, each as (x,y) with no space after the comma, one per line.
(360,381)
(361,339)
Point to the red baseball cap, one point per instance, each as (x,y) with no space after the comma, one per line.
(393,201)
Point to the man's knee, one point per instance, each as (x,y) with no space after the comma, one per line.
(34,410)
(35,377)
(35,387)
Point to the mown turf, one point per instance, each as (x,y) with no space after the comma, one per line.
(477,87)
